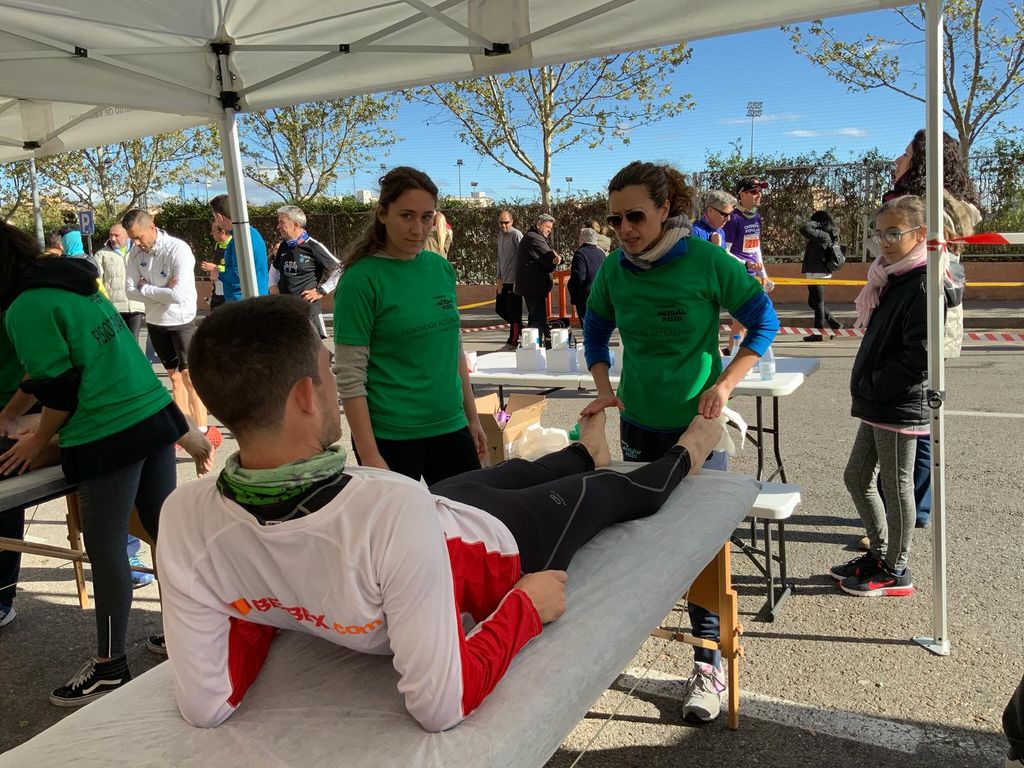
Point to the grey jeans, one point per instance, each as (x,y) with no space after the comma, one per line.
(890,454)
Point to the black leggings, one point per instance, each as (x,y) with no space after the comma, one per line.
(556,504)
(106,505)
(432,458)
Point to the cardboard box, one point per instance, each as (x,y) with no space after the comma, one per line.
(523,411)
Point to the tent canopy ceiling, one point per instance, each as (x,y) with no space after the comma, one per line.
(119,70)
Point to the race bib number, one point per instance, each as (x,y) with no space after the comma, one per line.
(751,243)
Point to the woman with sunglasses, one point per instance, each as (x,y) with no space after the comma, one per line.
(664,289)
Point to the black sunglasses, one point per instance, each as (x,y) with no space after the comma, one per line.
(633,217)
(719,211)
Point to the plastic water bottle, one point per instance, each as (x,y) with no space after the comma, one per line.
(767,365)
(734,347)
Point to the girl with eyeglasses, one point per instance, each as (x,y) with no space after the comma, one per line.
(888,385)
(664,289)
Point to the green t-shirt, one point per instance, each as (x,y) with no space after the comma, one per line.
(11,369)
(404,311)
(55,330)
(668,321)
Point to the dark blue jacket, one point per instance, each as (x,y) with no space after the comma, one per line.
(585,263)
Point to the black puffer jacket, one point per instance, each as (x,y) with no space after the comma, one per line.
(888,381)
(819,245)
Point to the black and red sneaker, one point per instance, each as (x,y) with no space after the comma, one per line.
(879,583)
(857,567)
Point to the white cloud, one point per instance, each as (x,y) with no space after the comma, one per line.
(801,133)
(776,118)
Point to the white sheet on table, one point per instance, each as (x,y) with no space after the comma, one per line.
(315,704)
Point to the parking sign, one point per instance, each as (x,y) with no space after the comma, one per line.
(87,222)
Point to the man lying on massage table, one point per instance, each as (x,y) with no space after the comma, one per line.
(287,537)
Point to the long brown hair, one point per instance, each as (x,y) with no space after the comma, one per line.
(662,182)
(393,185)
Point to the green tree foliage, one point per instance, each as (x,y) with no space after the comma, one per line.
(296,152)
(984,60)
(521,120)
(15,191)
(116,177)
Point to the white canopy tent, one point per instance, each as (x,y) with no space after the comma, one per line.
(72,77)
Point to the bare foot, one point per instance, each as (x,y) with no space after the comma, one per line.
(699,439)
(199,448)
(592,438)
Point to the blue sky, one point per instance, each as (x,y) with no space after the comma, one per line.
(804,110)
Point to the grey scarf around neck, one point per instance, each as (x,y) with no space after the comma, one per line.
(674,229)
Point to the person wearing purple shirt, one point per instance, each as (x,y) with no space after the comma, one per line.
(743,235)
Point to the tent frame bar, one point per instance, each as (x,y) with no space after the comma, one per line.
(938,642)
(100,60)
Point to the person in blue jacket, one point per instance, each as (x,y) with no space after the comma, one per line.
(230,277)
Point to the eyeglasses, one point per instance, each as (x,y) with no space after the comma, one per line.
(753,191)
(720,212)
(504,223)
(891,236)
(636,218)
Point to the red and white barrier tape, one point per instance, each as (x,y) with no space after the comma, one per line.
(997,336)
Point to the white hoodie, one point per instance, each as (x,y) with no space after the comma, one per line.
(149,272)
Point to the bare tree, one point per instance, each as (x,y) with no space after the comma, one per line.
(523,119)
(296,152)
(116,177)
(984,60)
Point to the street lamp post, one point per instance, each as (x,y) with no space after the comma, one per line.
(754,110)
(473,186)
(458,164)
(568,188)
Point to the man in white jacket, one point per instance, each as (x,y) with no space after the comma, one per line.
(161,274)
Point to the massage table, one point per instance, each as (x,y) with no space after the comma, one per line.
(316,705)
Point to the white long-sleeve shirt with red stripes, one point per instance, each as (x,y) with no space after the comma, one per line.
(384,567)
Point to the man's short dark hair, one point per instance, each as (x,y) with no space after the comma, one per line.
(220,204)
(248,355)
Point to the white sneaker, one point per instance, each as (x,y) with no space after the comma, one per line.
(7,614)
(704,691)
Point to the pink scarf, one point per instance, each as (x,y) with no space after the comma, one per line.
(878,275)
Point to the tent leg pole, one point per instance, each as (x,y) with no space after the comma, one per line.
(239,204)
(233,175)
(938,643)
(37,211)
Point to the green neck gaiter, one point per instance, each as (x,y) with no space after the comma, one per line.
(262,487)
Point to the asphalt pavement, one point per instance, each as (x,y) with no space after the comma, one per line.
(834,681)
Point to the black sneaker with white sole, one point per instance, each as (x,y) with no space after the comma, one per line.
(93,680)
(157,644)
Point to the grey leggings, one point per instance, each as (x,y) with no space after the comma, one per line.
(890,454)
(106,505)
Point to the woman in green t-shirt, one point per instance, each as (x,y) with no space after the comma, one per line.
(115,421)
(401,372)
(664,290)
